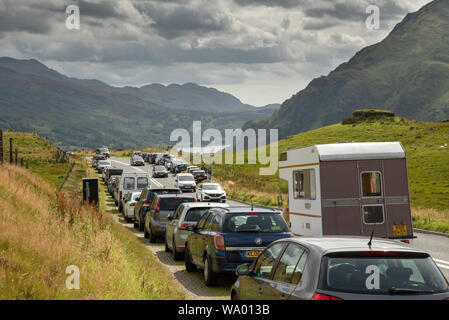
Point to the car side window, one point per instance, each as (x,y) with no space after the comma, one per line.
(216,223)
(287,263)
(208,223)
(202,221)
(265,262)
(178,211)
(299,270)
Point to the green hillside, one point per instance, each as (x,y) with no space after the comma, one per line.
(426,144)
(408,73)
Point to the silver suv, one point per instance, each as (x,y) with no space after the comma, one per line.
(187,214)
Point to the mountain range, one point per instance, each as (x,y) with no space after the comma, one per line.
(86,113)
(407,72)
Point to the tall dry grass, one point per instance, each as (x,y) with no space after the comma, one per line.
(42,232)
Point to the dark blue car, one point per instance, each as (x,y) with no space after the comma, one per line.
(225,238)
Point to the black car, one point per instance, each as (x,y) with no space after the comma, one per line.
(160,172)
(340,268)
(112,172)
(144,203)
(199,175)
(225,238)
(162,207)
(137,161)
(180,167)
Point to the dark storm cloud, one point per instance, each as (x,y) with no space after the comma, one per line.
(18,18)
(172,22)
(272,3)
(103,9)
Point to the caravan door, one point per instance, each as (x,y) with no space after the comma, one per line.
(373,212)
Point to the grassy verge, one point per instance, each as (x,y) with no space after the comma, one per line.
(43,232)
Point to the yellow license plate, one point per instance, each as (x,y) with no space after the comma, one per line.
(253,253)
(400,230)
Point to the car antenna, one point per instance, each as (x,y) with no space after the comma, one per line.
(371,238)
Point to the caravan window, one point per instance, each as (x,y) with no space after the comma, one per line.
(371,184)
(373,214)
(129,183)
(304,184)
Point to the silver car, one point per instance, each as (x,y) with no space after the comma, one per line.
(187,214)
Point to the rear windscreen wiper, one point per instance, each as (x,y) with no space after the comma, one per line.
(409,291)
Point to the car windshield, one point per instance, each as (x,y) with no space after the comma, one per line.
(159,168)
(383,275)
(263,223)
(104,163)
(142,182)
(186,178)
(211,187)
(171,204)
(195,214)
(103,150)
(199,173)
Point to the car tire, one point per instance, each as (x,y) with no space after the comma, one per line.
(210,277)
(136,225)
(167,249)
(146,234)
(190,266)
(234,296)
(176,255)
(151,236)
(141,225)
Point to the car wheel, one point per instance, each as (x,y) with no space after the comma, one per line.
(167,249)
(190,267)
(145,233)
(176,255)
(234,296)
(135,224)
(141,225)
(120,208)
(151,237)
(210,278)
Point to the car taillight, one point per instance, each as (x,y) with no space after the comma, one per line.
(319,296)
(219,242)
(132,205)
(146,204)
(158,206)
(120,195)
(379,253)
(183,226)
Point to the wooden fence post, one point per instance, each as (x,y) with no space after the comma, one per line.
(10,151)
(16,156)
(21,162)
(1,147)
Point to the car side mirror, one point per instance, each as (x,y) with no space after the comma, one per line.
(242,270)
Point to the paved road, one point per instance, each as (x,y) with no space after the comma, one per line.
(437,246)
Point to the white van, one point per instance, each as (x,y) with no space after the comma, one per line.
(131,182)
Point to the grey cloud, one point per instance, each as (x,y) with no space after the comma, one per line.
(172,22)
(272,3)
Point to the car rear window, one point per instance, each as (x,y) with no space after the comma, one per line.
(199,173)
(142,182)
(195,214)
(129,183)
(173,203)
(186,178)
(384,274)
(264,223)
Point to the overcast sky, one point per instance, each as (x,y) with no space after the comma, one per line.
(262,51)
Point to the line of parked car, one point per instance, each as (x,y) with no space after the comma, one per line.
(257,245)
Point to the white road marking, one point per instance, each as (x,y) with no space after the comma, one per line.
(441,266)
(157,183)
(441,261)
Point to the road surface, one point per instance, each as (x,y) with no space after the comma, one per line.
(437,246)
